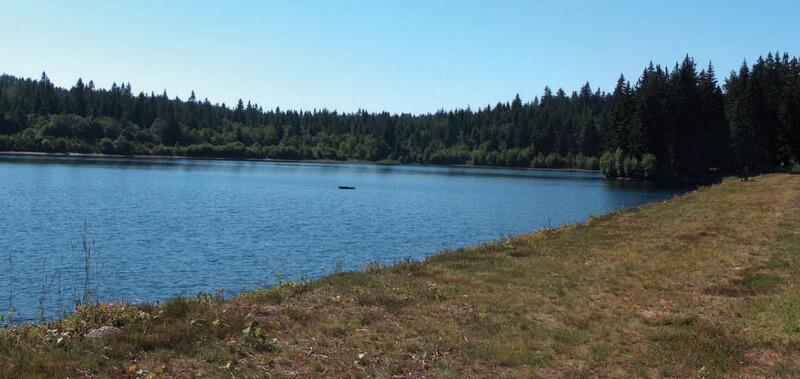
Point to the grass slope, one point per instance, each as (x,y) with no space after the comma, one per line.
(705,285)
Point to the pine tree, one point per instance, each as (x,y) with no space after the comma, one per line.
(238,114)
(716,137)
(740,118)
(620,114)
(650,115)
(678,120)
(684,113)
(168,130)
(79,98)
(45,98)
(589,139)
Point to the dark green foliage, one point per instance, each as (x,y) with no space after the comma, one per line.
(169,133)
(677,119)
(686,127)
(607,164)
(618,164)
(564,130)
(648,166)
(677,124)
(763,107)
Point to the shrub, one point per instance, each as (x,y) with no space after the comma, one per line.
(106,146)
(524,157)
(648,165)
(60,145)
(619,162)
(493,158)
(61,125)
(538,161)
(551,161)
(163,150)
(123,146)
(201,150)
(476,157)
(511,157)
(78,146)
(585,162)
(88,131)
(591,163)
(47,146)
(631,167)
(607,164)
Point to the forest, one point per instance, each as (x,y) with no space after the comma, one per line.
(677,123)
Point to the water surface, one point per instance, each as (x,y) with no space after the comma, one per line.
(169,227)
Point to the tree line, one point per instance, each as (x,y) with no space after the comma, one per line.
(682,124)
(670,124)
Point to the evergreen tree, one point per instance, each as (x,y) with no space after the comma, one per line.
(715,143)
(652,132)
(78,93)
(684,117)
(168,130)
(671,123)
(620,114)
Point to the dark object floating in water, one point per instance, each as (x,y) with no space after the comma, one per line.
(346,187)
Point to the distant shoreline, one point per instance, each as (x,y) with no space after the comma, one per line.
(322,161)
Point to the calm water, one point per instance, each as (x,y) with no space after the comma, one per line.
(169,227)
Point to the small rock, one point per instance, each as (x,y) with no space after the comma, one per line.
(101,332)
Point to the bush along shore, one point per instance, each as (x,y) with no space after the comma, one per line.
(669,124)
(704,285)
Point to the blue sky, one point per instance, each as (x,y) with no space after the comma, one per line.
(399,56)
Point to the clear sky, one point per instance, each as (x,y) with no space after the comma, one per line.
(399,56)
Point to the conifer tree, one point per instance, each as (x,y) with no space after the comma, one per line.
(620,114)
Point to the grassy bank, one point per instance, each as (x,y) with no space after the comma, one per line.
(705,285)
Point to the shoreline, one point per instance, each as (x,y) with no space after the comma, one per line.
(671,288)
(274,160)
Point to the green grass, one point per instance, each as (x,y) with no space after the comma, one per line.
(705,285)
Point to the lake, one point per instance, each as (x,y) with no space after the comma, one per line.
(163,227)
